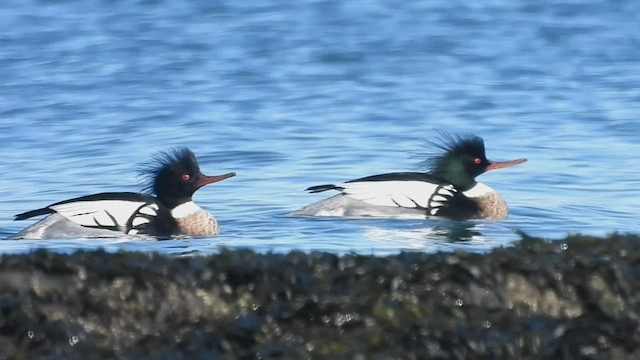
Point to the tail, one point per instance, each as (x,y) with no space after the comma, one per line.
(32,213)
(321,188)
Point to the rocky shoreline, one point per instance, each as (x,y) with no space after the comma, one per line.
(573,298)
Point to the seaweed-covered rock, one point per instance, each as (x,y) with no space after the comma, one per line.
(565,299)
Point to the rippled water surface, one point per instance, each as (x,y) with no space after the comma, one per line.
(292,94)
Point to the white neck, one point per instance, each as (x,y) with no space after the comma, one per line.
(184,210)
(478,190)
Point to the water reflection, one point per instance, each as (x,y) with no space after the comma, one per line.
(432,236)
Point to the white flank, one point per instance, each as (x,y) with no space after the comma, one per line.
(391,193)
(478,191)
(184,210)
(99,212)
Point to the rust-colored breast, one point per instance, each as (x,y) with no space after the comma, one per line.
(200,223)
(492,206)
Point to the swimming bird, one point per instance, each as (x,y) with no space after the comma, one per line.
(165,209)
(448,188)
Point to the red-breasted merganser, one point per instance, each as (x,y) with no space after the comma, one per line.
(173,179)
(447,189)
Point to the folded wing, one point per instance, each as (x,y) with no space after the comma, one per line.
(126,212)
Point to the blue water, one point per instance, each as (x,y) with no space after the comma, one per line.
(292,94)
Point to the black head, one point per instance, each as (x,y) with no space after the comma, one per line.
(460,159)
(176,176)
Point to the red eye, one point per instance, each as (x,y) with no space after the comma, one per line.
(477,161)
(186,177)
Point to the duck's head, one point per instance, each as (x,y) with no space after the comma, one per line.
(175,176)
(460,159)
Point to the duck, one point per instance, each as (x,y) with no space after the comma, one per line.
(164,208)
(446,189)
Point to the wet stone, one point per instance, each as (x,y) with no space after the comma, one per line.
(571,298)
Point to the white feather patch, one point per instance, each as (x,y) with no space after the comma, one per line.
(151,209)
(99,212)
(478,190)
(139,221)
(440,198)
(391,193)
(184,210)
